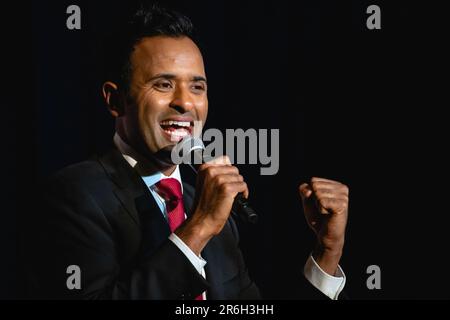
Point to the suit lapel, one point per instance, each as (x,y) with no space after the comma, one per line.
(137,200)
(128,187)
(155,229)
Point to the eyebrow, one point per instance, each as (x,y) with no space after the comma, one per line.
(171,76)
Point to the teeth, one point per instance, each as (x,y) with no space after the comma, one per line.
(178,133)
(177,123)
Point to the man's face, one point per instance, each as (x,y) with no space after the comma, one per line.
(167,93)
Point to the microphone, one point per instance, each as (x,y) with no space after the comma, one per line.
(191,149)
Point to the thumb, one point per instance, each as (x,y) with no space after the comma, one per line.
(305,191)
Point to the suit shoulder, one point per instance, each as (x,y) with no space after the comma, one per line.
(83,175)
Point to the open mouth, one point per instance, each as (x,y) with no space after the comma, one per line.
(176,130)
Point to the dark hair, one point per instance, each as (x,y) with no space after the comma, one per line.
(147,21)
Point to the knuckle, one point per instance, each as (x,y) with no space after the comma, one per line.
(222,188)
(220,179)
(345,189)
(341,208)
(211,172)
(314,186)
(344,204)
(323,201)
(227,188)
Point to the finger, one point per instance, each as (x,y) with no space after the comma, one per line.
(321,208)
(228,178)
(331,193)
(246,193)
(212,171)
(317,179)
(330,205)
(305,191)
(336,187)
(221,160)
(323,181)
(234,188)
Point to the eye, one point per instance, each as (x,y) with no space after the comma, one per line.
(163,85)
(199,87)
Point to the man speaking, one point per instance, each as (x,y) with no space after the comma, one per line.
(128,222)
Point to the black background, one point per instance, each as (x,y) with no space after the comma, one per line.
(365,107)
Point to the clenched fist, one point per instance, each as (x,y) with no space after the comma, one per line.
(325,203)
(218,183)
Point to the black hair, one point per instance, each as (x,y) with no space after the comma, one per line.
(147,21)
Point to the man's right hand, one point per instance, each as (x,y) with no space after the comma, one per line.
(218,183)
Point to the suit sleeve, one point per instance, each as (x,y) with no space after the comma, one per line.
(71,229)
(249,290)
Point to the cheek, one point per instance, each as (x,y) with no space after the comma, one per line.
(162,102)
(151,106)
(202,109)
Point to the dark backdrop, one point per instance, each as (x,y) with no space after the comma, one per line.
(363,107)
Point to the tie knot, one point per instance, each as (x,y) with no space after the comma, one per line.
(169,189)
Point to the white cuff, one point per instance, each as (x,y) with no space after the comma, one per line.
(198,262)
(327,284)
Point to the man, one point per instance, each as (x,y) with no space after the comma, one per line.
(127,223)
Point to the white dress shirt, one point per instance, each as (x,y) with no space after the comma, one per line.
(327,284)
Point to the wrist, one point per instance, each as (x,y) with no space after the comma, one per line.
(195,233)
(328,258)
(330,247)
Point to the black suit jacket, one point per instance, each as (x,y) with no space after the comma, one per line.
(100,216)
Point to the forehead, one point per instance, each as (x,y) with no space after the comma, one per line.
(159,54)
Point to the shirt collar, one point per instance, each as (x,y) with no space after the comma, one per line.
(133,158)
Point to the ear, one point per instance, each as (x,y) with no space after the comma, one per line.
(112,96)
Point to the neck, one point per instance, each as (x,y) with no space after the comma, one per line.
(147,163)
(169,171)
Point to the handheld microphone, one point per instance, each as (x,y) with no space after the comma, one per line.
(191,149)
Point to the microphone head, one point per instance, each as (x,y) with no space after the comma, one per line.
(192,143)
(190,151)
(186,149)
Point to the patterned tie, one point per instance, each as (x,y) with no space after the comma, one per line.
(170,190)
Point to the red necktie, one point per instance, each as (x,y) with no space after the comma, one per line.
(170,190)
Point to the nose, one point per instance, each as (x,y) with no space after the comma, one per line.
(182,100)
